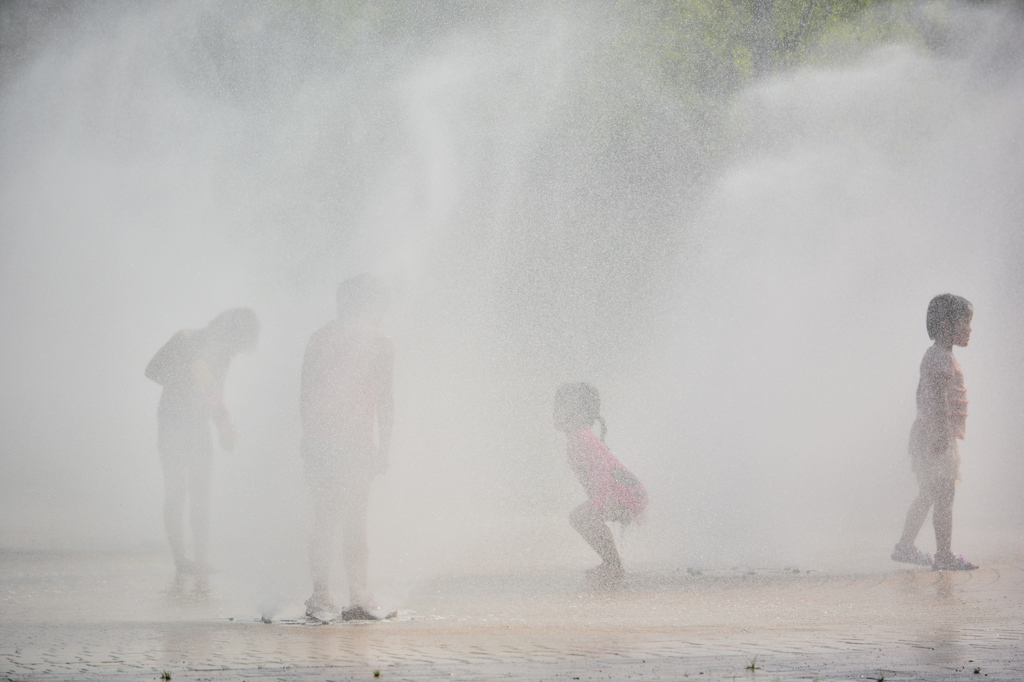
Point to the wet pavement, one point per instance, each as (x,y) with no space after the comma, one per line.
(122,616)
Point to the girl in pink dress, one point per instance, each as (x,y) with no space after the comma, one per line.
(614,494)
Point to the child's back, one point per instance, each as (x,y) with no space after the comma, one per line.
(609,485)
(345,368)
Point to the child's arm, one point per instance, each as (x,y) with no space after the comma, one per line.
(956,400)
(937,377)
(585,465)
(213,396)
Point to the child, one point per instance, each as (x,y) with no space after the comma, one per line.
(191,367)
(941,418)
(614,493)
(346,390)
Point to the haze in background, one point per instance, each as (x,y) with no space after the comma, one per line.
(741,269)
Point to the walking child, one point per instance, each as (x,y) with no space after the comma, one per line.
(613,493)
(346,391)
(192,367)
(941,419)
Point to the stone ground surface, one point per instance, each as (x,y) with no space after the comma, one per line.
(120,617)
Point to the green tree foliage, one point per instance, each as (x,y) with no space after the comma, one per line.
(707,49)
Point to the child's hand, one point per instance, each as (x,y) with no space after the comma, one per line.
(228,435)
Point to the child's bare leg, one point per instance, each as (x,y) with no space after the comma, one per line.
(942,517)
(321,545)
(589,523)
(199,475)
(175,485)
(356,545)
(916,515)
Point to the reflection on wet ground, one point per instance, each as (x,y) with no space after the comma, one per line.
(122,616)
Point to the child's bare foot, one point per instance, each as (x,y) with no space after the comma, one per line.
(911,555)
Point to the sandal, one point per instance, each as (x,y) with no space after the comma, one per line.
(952,562)
(321,608)
(911,555)
(357,613)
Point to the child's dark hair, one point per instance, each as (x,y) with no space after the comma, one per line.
(239,327)
(584,400)
(363,296)
(946,308)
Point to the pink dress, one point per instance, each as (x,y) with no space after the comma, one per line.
(609,485)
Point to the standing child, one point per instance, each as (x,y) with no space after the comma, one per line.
(191,367)
(941,418)
(613,493)
(346,391)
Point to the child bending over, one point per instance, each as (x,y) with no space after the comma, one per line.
(191,367)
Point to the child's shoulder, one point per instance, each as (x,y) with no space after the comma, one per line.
(585,439)
(331,332)
(183,340)
(341,333)
(583,432)
(938,359)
